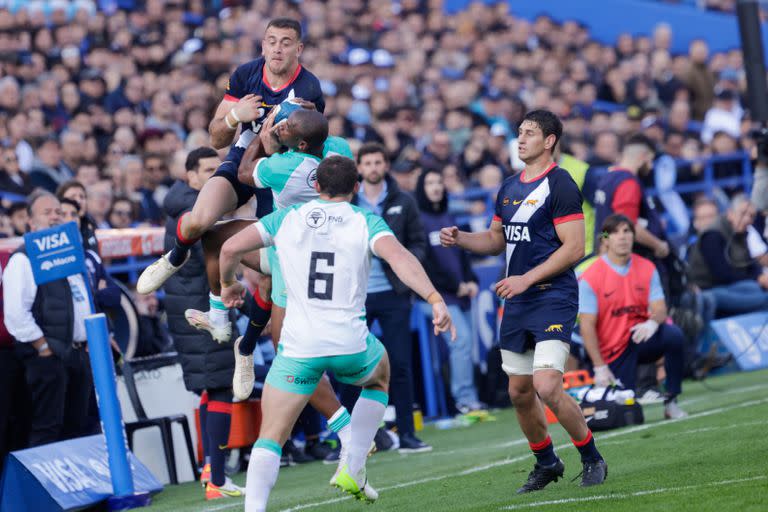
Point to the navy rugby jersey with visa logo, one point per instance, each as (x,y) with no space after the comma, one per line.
(529,212)
(250,78)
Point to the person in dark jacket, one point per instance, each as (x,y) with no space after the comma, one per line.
(75,191)
(450,270)
(720,263)
(389,299)
(207,366)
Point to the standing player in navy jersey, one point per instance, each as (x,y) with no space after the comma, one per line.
(540,223)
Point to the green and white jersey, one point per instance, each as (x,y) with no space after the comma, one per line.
(292,175)
(324,249)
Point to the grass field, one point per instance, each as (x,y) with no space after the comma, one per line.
(716,459)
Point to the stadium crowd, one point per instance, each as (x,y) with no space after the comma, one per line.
(115,95)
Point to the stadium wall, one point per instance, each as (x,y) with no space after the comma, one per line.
(721,31)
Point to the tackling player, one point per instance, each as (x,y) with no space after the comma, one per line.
(324,248)
(539,222)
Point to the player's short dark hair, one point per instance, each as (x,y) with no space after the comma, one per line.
(549,123)
(337,176)
(287,23)
(613,222)
(197,154)
(638,139)
(371,148)
(313,126)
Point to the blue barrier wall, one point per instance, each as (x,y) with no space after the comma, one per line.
(607,19)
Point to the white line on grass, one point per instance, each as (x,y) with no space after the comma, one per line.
(619,496)
(513,460)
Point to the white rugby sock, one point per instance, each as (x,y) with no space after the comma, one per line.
(262,475)
(366,418)
(218,313)
(340,423)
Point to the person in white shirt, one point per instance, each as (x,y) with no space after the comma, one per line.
(48,323)
(324,248)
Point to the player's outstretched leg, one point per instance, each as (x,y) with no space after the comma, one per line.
(366,418)
(549,386)
(530,414)
(216,198)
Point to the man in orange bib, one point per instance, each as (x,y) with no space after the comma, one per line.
(622,314)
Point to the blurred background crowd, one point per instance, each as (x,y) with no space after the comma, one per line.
(115,93)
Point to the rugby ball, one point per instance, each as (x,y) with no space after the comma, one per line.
(285,109)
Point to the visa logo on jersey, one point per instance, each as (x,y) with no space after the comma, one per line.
(52,241)
(517,233)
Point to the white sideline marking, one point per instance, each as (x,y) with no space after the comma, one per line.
(630,495)
(519,458)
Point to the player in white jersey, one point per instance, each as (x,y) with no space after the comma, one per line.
(324,248)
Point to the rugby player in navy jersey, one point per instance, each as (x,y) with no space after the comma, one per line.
(253,90)
(540,224)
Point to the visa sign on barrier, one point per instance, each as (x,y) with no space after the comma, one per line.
(55,253)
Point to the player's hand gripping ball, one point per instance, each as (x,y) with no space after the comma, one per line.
(285,109)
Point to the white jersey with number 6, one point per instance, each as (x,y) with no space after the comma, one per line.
(324,249)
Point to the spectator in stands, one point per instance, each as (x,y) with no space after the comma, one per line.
(99,202)
(48,323)
(12,180)
(19,217)
(75,191)
(724,116)
(206,365)
(700,79)
(620,191)
(153,334)
(450,269)
(606,149)
(622,316)
(122,214)
(721,264)
(388,298)
(47,169)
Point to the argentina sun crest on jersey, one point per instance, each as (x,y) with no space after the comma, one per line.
(529,212)
(250,78)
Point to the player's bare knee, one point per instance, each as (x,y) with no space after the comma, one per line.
(549,386)
(521,392)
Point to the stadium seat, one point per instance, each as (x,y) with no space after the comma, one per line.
(164,423)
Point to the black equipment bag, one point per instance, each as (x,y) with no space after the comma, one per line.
(606,413)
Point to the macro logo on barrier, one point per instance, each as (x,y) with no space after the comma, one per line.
(55,253)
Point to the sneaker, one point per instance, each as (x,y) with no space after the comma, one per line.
(157,273)
(319,450)
(243,378)
(205,475)
(386,440)
(228,490)
(541,476)
(409,443)
(651,396)
(672,411)
(357,486)
(296,454)
(470,407)
(341,455)
(200,320)
(333,457)
(594,473)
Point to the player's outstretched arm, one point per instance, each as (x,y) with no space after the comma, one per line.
(490,242)
(409,271)
(232,253)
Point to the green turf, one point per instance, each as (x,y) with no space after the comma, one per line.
(715,460)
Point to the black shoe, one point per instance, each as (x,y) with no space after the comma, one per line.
(296,455)
(333,456)
(409,443)
(541,476)
(318,450)
(384,441)
(594,473)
